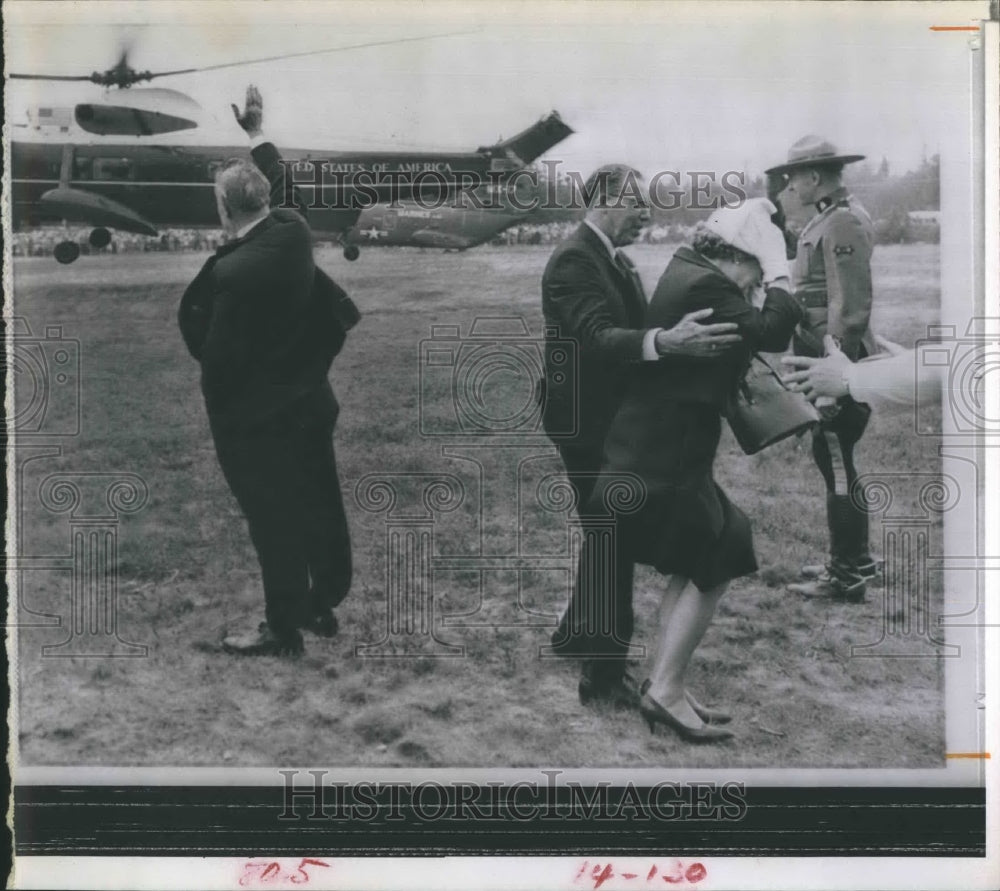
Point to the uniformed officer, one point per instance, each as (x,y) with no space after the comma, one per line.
(831,277)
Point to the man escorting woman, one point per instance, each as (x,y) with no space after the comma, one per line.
(666,433)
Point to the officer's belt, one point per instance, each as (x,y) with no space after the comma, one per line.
(813,299)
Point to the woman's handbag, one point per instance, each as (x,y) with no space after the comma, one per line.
(763,411)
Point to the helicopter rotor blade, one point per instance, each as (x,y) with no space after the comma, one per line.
(96,77)
(336,49)
(49,76)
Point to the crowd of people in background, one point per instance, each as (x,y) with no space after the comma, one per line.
(41,242)
(554,232)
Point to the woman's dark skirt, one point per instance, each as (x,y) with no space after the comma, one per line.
(686,524)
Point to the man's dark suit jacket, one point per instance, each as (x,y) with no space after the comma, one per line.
(589,300)
(263,322)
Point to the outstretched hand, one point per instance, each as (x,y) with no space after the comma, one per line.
(824,380)
(888,347)
(689,337)
(252,116)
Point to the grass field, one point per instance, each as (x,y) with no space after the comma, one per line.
(187,573)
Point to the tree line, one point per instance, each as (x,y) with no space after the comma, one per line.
(890,199)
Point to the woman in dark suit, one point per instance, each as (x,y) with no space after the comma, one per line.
(667,433)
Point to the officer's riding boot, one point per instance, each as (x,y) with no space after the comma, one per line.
(845,522)
(841,580)
(858,553)
(864,562)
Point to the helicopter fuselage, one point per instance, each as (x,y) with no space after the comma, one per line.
(142,187)
(173,186)
(451,227)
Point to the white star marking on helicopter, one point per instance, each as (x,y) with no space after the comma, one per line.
(373,233)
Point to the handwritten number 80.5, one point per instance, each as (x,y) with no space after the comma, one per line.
(271,872)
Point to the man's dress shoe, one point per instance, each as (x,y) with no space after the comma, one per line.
(830,587)
(322,624)
(264,642)
(606,681)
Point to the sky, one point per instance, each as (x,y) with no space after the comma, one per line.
(661,85)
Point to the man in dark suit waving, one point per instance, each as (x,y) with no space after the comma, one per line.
(592,296)
(260,319)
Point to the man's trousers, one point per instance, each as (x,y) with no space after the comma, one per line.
(599,620)
(284,476)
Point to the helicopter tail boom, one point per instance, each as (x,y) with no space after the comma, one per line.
(522,149)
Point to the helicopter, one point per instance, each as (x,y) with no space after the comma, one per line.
(149,180)
(451,228)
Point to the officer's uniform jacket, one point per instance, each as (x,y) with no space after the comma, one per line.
(832,278)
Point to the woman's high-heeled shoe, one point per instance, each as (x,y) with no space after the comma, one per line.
(654,713)
(708,715)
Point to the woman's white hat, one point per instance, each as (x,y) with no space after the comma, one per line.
(749,228)
(745,225)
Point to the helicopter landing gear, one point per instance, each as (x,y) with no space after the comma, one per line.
(351,252)
(100,238)
(66,251)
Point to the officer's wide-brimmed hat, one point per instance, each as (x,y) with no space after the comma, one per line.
(811,151)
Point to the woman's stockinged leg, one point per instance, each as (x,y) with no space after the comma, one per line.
(675,587)
(685,616)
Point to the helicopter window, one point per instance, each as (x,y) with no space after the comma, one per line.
(83,168)
(112,168)
(504,164)
(41,168)
(389,220)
